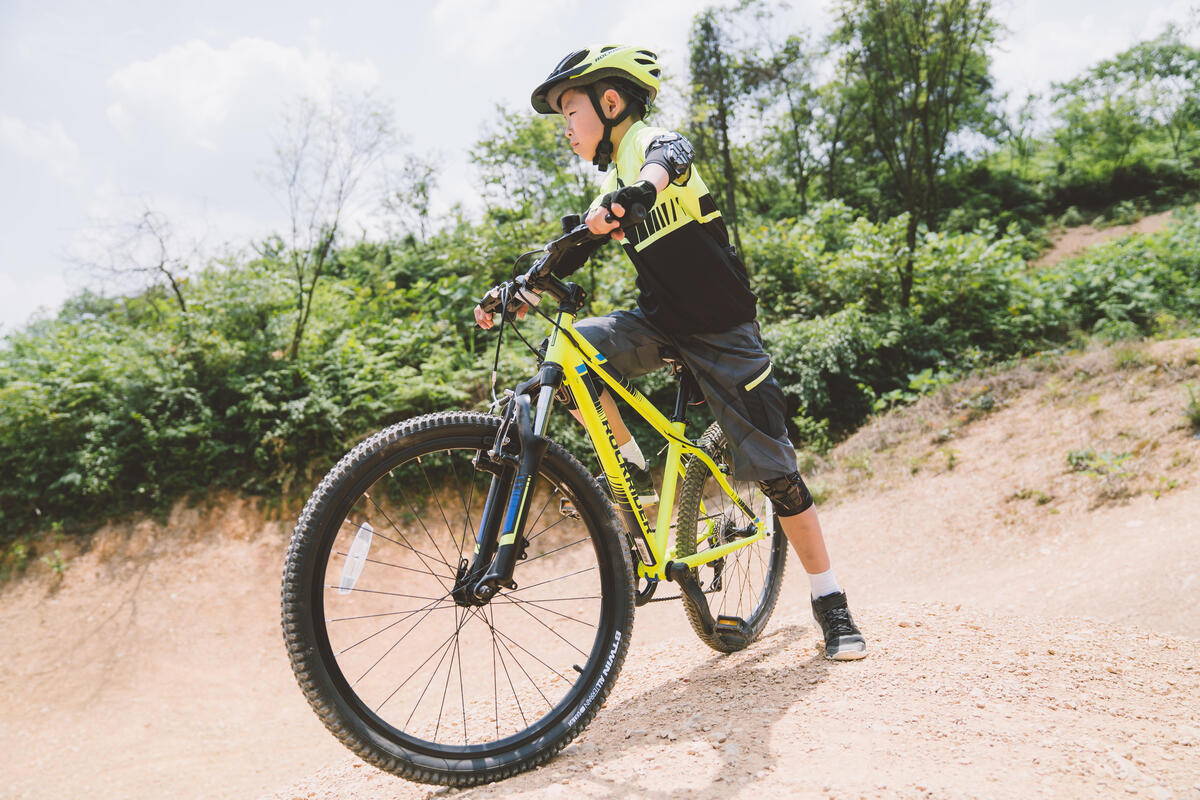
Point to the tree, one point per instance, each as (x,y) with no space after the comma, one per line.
(779,77)
(140,254)
(1017,129)
(1151,88)
(716,91)
(922,69)
(409,196)
(322,154)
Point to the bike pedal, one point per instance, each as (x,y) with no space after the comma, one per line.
(567,508)
(733,630)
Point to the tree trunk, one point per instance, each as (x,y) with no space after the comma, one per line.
(730,178)
(906,270)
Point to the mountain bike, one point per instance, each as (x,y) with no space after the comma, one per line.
(459,592)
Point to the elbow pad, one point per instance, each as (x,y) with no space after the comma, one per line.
(673,153)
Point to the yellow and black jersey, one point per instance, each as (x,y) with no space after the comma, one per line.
(689,278)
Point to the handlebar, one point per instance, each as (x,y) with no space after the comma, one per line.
(540,276)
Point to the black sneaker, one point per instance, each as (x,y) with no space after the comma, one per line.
(643,485)
(843,641)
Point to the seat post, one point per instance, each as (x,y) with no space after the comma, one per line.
(685,391)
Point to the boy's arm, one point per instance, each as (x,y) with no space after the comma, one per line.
(668,160)
(672,155)
(577,257)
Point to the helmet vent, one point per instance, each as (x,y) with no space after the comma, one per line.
(571,61)
(608,47)
(645,61)
(656,72)
(647,53)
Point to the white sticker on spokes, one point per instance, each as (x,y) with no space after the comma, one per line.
(356,558)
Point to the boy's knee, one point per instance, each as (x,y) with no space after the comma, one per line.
(788,494)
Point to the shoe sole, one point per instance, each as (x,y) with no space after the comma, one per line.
(848,655)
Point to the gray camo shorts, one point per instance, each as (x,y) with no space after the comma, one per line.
(734,373)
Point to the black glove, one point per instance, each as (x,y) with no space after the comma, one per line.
(641,193)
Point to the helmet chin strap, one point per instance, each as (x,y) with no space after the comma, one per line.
(604,150)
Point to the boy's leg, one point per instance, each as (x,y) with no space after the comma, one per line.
(734,372)
(798,518)
(803,530)
(631,346)
(609,404)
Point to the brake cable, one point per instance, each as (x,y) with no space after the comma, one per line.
(505,295)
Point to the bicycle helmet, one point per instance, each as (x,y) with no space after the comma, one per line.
(636,68)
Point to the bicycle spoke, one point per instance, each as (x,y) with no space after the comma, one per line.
(436,499)
(467,522)
(397,566)
(551,610)
(421,520)
(504,635)
(547,627)
(390,649)
(390,613)
(548,527)
(507,675)
(399,544)
(432,675)
(521,666)
(552,580)
(555,550)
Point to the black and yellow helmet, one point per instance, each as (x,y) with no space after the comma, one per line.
(633,67)
(584,67)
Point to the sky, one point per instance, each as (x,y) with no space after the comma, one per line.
(108,108)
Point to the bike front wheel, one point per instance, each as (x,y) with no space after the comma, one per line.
(746,582)
(410,680)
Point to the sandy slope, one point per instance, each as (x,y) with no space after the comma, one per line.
(1073,241)
(1019,648)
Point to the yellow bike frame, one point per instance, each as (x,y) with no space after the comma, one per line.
(575,355)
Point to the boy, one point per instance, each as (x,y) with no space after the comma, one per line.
(694,294)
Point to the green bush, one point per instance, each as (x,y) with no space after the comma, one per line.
(126,404)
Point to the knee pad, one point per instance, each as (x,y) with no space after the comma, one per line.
(788,494)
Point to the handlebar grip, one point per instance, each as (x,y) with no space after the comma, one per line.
(633,216)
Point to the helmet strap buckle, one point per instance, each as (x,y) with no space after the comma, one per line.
(604,150)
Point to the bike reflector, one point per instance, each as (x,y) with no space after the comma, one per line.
(356,558)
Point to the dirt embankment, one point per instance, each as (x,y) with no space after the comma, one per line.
(1073,241)
(1032,616)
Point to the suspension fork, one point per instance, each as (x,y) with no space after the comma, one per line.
(499,542)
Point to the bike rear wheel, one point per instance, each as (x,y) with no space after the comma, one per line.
(411,681)
(746,582)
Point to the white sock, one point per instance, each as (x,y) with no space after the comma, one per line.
(823,583)
(633,454)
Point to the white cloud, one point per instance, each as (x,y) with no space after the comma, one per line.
(43,142)
(202,93)
(23,295)
(472,32)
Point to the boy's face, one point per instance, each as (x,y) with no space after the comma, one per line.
(583,127)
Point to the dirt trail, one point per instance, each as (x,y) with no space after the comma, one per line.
(1020,648)
(1073,241)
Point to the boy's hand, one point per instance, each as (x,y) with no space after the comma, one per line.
(643,193)
(486,321)
(597,225)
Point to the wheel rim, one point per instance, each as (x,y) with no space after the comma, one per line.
(424,672)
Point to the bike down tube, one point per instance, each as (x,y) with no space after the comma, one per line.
(575,354)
